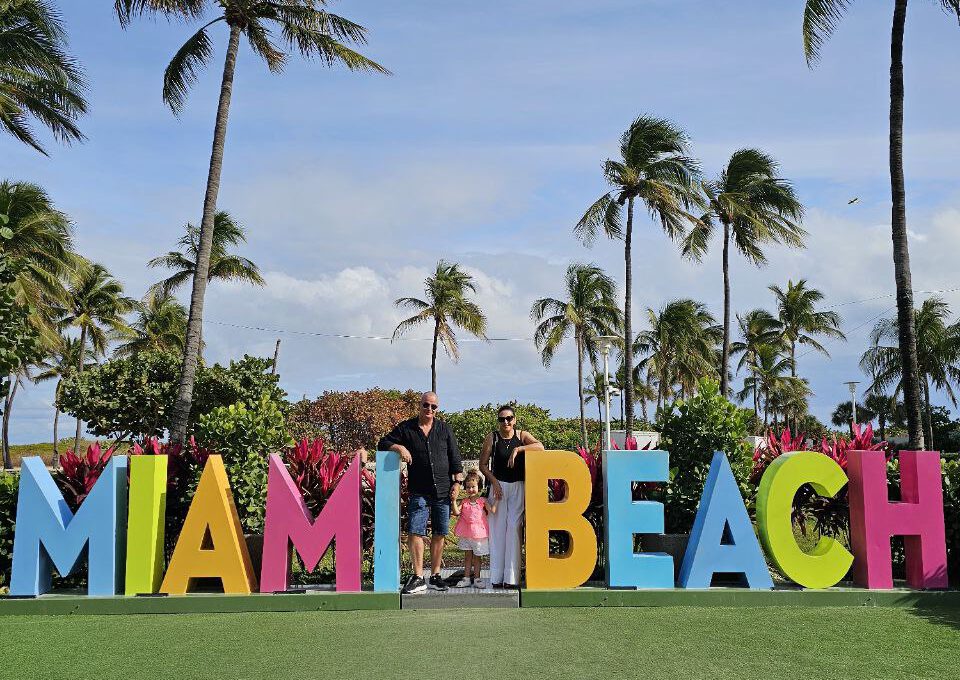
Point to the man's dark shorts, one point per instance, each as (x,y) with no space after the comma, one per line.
(437,509)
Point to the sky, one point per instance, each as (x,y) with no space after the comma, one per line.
(484,148)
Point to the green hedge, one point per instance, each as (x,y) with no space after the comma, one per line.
(472,425)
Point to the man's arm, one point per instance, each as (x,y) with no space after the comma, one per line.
(394,441)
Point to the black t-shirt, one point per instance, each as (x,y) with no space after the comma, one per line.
(435,457)
(502,450)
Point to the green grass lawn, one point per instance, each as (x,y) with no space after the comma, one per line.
(682,642)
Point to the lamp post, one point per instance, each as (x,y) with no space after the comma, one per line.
(852,386)
(606,342)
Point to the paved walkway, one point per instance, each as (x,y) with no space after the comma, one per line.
(459,598)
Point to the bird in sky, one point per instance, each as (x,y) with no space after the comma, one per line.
(853,200)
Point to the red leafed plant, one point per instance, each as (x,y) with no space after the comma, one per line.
(830,515)
(317,471)
(78,474)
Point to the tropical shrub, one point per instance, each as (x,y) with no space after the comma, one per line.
(245,434)
(79,473)
(131,398)
(317,470)
(471,426)
(348,421)
(184,465)
(692,430)
(8,516)
(18,341)
(828,515)
(951,513)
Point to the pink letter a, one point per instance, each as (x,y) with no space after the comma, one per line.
(289,521)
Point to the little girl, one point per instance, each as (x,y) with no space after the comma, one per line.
(472,529)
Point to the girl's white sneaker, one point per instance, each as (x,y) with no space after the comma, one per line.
(463,583)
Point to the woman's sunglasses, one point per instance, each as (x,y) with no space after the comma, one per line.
(505,419)
(432,407)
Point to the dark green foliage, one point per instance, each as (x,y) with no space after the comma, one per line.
(245,434)
(18,341)
(691,430)
(132,397)
(472,425)
(951,514)
(8,515)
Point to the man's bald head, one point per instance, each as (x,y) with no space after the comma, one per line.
(428,406)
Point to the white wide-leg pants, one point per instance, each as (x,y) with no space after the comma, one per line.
(505,527)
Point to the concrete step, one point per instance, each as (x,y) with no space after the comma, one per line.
(462,598)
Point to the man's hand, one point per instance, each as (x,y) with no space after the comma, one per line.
(454,491)
(404,454)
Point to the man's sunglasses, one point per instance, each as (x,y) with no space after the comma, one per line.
(505,419)
(432,407)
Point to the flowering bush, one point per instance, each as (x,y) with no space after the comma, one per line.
(829,515)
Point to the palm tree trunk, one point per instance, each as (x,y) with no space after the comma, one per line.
(83,345)
(628,318)
(793,358)
(766,398)
(7,405)
(725,357)
(926,401)
(55,461)
(901,251)
(433,358)
(756,393)
(191,352)
(583,414)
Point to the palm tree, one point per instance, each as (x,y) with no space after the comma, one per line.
(938,355)
(820,19)
(304,27)
(653,168)
(38,80)
(60,365)
(224,265)
(589,311)
(800,321)
(758,328)
(161,324)
(679,348)
(755,206)
(887,410)
(95,304)
(40,243)
(768,378)
(446,303)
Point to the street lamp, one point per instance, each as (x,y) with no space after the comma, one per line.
(606,342)
(852,386)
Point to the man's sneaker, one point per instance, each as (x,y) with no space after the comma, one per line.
(436,582)
(415,584)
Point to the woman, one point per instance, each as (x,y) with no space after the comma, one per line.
(502,463)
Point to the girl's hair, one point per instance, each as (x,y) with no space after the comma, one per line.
(473,474)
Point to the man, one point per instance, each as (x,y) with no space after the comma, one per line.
(434,472)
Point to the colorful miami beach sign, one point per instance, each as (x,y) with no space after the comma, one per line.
(120,527)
